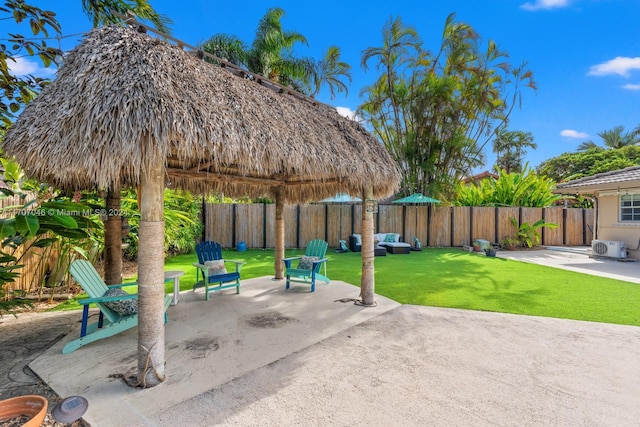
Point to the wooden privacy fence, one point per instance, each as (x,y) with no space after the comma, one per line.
(451,226)
(34,266)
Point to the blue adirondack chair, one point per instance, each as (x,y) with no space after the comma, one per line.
(211,275)
(308,271)
(109,321)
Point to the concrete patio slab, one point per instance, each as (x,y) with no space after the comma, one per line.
(208,343)
(578,260)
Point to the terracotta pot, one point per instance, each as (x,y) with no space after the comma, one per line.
(32,406)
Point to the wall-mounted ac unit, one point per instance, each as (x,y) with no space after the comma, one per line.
(609,248)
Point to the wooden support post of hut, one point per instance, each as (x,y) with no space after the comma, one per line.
(367,283)
(151,275)
(279,232)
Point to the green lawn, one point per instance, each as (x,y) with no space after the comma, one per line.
(457,279)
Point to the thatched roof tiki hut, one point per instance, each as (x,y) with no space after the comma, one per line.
(130,110)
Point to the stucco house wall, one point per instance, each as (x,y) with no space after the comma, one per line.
(611,190)
(610,226)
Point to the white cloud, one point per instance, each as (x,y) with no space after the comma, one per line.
(544,4)
(631,87)
(619,65)
(348,113)
(24,66)
(570,133)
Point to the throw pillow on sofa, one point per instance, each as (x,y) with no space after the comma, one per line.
(390,238)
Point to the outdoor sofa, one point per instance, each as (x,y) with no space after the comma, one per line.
(390,241)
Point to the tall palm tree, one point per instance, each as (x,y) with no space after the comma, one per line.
(614,138)
(510,147)
(271,52)
(271,55)
(387,98)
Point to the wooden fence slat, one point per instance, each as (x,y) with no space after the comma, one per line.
(574,227)
(249,220)
(290,226)
(589,225)
(312,224)
(554,216)
(506,229)
(484,224)
(440,227)
(390,219)
(462,221)
(219,224)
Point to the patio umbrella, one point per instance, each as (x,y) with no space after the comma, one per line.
(416,199)
(341,198)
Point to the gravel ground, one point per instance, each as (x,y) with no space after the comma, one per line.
(23,339)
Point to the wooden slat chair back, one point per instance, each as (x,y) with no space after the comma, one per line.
(109,321)
(315,248)
(208,251)
(212,251)
(86,275)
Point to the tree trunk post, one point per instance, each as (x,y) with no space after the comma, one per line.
(278,264)
(151,277)
(367,283)
(113,239)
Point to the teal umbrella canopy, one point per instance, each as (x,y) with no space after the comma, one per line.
(341,198)
(416,198)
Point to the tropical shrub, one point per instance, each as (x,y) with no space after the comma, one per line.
(528,235)
(44,225)
(526,189)
(181,217)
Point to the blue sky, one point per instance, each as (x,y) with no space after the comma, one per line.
(585,54)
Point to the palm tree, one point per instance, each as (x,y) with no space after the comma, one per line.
(614,138)
(271,55)
(510,149)
(587,145)
(228,47)
(330,71)
(101,12)
(271,52)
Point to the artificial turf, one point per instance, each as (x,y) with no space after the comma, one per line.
(457,279)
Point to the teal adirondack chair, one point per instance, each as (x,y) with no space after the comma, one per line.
(109,321)
(309,271)
(208,276)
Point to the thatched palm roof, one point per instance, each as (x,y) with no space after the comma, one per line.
(123,97)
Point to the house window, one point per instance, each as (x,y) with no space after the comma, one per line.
(630,207)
